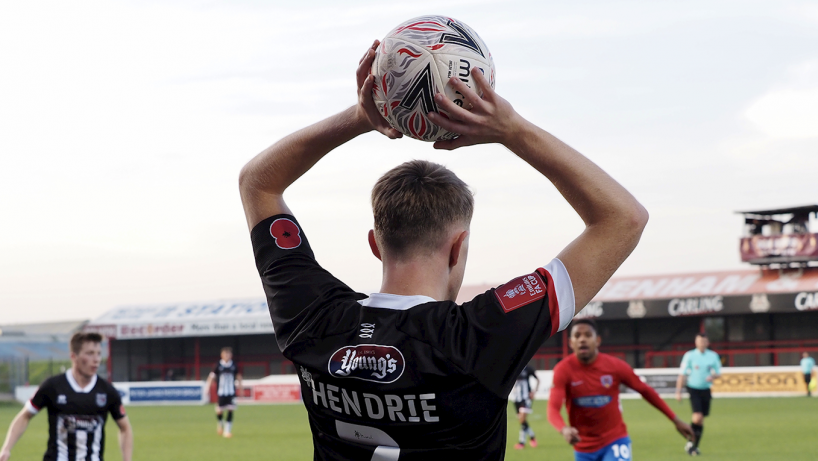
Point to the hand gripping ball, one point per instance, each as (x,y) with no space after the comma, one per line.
(415,61)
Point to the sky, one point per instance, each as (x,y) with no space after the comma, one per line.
(125,125)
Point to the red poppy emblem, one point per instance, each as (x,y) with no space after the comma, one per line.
(286,234)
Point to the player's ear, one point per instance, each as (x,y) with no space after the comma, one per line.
(373,245)
(458,245)
(598,341)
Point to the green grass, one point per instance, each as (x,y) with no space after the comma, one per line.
(738,429)
(40,371)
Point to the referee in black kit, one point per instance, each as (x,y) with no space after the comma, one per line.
(78,403)
(406,372)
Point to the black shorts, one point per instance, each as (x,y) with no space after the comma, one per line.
(524,405)
(807,378)
(227,402)
(700,400)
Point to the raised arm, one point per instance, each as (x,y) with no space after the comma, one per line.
(18,426)
(264,178)
(613,218)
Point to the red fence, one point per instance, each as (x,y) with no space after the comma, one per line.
(190,367)
(545,359)
(730,351)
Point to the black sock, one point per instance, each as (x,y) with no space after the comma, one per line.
(229,416)
(525,426)
(219,416)
(698,429)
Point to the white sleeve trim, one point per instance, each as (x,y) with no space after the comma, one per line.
(30,408)
(565,291)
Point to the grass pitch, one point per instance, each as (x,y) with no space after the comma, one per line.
(738,429)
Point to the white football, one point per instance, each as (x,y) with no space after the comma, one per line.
(415,61)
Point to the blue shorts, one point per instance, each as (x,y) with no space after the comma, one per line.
(619,450)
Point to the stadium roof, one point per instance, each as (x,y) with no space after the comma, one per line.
(216,318)
(726,283)
(246,317)
(22,331)
(798,209)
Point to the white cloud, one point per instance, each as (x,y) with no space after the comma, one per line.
(789,112)
(786,113)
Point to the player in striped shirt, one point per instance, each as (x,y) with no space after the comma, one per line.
(523,401)
(78,404)
(227,376)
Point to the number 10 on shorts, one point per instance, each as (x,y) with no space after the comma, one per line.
(621,451)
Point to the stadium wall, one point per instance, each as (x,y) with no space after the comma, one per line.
(734,382)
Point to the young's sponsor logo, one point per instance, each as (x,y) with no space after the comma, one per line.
(369,362)
(79,423)
(520,291)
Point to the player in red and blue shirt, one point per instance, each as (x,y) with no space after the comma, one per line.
(588,382)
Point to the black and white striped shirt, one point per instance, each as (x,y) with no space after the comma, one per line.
(225,373)
(522,388)
(76,416)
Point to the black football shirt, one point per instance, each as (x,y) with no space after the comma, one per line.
(225,373)
(76,416)
(388,377)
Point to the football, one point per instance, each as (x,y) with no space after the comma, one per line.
(415,61)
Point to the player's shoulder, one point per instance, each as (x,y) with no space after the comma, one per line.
(612,361)
(565,365)
(104,384)
(55,382)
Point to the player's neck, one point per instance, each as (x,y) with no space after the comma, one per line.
(590,359)
(418,276)
(81,380)
(702,350)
